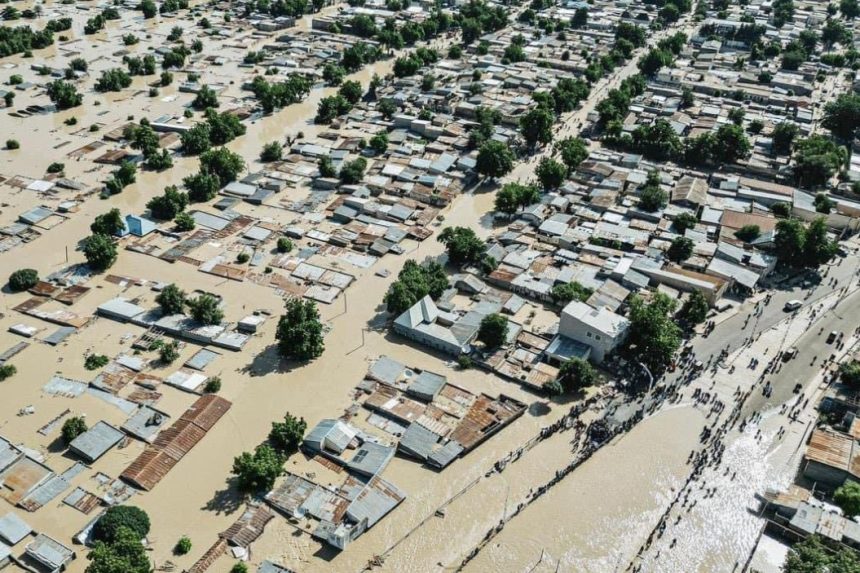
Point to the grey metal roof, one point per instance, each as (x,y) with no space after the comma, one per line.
(51,489)
(446,454)
(371,458)
(375,501)
(121,308)
(426,385)
(145,423)
(95,442)
(13,529)
(418,441)
(59,335)
(49,552)
(386,370)
(8,454)
(201,359)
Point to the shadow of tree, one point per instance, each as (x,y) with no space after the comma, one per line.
(226,501)
(269,361)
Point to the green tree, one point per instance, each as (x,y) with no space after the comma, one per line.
(842,116)
(576,374)
(654,337)
(652,197)
(300,332)
(680,250)
(684,221)
(64,94)
(7,371)
(849,373)
(812,555)
(695,308)
(205,309)
(117,517)
(748,233)
(272,151)
(110,223)
(125,554)
(512,196)
(202,186)
(783,137)
(352,172)
(284,245)
(849,8)
(536,126)
(847,497)
(564,293)
(72,428)
(23,279)
(113,80)
(184,222)
(167,206)
(551,173)
(205,98)
(823,203)
(213,385)
(493,331)
(183,546)
(168,353)
(414,283)
(148,8)
(171,299)
(817,159)
(222,163)
(731,144)
(573,151)
(100,252)
(462,244)
(379,143)
(494,160)
(351,91)
(286,436)
(256,472)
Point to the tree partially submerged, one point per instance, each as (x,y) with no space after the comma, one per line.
(286,436)
(300,331)
(414,282)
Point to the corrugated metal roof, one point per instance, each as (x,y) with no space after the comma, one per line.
(829,448)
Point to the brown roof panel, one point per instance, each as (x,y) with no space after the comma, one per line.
(206,411)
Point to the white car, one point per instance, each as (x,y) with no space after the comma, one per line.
(792,305)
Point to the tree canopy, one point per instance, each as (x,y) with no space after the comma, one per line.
(695,308)
(171,299)
(847,497)
(813,556)
(493,331)
(206,309)
(117,517)
(256,472)
(513,196)
(817,159)
(799,246)
(463,245)
(300,331)
(23,279)
(494,160)
(414,282)
(100,252)
(124,554)
(286,436)
(680,250)
(654,337)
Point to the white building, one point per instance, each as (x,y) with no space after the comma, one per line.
(600,329)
